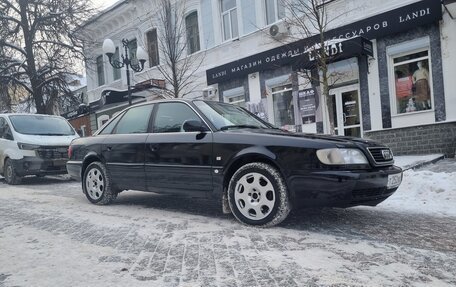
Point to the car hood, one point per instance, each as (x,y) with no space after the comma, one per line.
(45,140)
(343,140)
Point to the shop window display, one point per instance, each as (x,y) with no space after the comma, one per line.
(412,82)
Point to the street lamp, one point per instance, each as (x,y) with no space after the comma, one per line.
(109,49)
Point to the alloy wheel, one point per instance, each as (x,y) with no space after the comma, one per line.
(254,196)
(95,183)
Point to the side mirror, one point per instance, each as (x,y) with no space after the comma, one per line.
(194,126)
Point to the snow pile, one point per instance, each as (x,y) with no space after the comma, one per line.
(430,190)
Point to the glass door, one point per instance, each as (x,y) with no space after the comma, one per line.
(346,112)
(282,107)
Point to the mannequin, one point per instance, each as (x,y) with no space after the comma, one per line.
(422,92)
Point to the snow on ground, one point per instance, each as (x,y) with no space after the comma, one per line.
(431,189)
(51,236)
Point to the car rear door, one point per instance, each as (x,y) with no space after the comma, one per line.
(123,149)
(178,161)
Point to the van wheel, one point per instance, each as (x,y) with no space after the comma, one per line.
(257,195)
(9,172)
(96,184)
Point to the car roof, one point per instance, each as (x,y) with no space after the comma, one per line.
(26,114)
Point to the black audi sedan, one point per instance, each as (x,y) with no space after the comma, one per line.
(256,171)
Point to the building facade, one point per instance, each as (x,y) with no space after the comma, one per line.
(391,72)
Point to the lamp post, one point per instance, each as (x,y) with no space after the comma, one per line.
(109,49)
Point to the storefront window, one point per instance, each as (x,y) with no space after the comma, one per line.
(282,100)
(237,100)
(412,82)
(235,96)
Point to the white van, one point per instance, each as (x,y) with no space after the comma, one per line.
(32,144)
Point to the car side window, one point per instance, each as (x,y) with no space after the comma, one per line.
(5,131)
(110,127)
(170,117)
(135,120)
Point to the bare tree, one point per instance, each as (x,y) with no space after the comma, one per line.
(179,66)
(40,50)
(311,19)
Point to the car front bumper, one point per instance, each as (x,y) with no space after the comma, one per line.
(342,188)
(39,166)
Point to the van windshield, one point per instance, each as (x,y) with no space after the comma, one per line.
(41,125)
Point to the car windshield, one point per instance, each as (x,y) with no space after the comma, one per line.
(41,125)
(226,116)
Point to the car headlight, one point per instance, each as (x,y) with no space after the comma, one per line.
(335,156)
(28,146)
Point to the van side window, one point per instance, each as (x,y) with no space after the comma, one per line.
(5,131)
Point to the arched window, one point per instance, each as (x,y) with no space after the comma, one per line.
(193,41)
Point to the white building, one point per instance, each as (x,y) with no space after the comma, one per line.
(398,79)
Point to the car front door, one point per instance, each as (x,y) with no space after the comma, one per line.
(123,149)
(178,161)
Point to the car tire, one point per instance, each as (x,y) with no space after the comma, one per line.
(96,184)
(258,195)
(10,174)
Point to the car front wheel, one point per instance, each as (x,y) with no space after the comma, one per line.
(9,172)
(96,184)
(258,195)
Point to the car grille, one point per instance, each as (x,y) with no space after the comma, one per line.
(60,152)
(379,155)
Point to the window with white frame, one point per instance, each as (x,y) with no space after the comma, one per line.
(235,96)
(100,71)
(83,131)
(229,19)
(275,10)
(116,72)
(410,77)
(193,41)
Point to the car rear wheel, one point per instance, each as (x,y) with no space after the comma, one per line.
(9,172)
(96,184)
(257,195)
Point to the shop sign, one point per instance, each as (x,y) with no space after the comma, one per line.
(307,105)
(388,23)
(298,54)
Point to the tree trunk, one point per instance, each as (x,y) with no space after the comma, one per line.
(31,71)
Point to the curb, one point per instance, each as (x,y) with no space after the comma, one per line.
(424,163)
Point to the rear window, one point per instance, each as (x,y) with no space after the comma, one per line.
(41,125)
